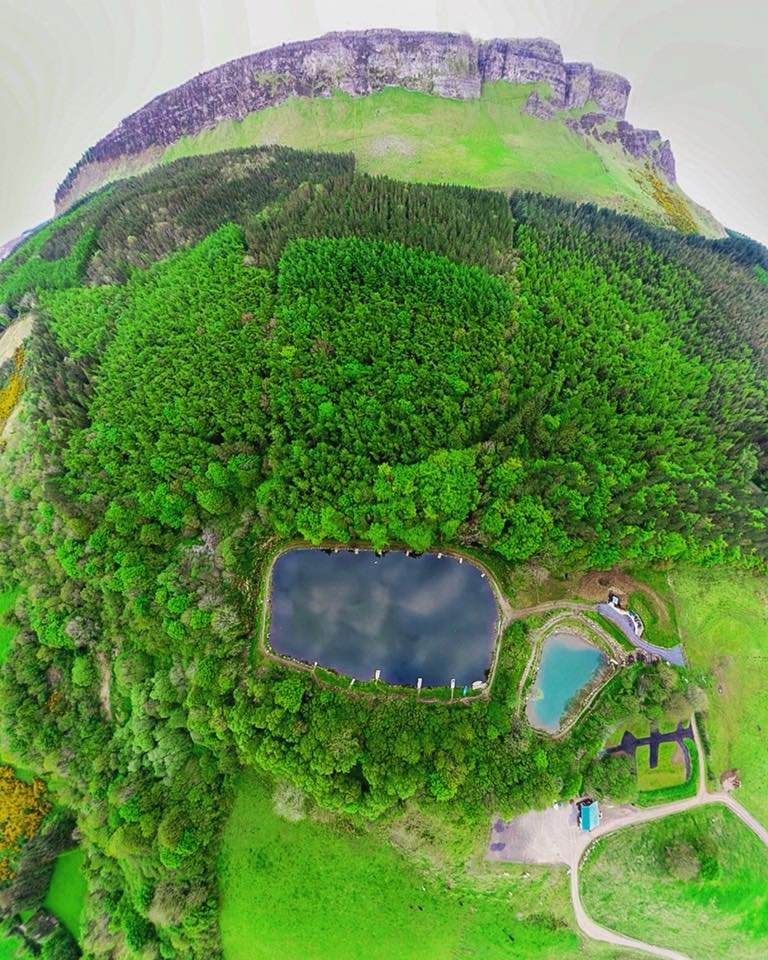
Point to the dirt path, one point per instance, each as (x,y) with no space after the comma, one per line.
(12,338)
(674,655)
(523,612)
(552,837)
(105,670)
(596,583)
(536,637)
(595,932)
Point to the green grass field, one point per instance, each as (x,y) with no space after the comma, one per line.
(668,773)
(66,894)
(638,726)
(695,882)
(11,949)
(661,630)
(322,891)
(669,787)
(7,601)
(723,615)
(488,142)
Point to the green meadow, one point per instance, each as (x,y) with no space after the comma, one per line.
(488,142)
(723,616)
(669,772)
(11,949)
(696,882)
(320,889)
(66,894)
(660,624)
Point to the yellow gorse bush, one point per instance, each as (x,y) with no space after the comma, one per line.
(11,391)
(22,808)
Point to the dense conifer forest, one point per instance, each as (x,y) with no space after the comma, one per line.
(264,345)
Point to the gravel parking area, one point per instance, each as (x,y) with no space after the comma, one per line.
(539,836)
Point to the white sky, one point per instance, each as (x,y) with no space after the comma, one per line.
(70,70)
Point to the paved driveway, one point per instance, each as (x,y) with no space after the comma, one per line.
(671,654)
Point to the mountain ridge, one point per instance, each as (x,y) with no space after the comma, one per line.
(449,65)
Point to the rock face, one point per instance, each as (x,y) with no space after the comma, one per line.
(641,144)
(359,63)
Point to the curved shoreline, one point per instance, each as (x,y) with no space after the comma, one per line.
(567,638)
(504,615)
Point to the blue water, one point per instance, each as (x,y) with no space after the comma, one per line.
(409,617)
(567,664)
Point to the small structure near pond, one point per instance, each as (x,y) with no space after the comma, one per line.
(589,815)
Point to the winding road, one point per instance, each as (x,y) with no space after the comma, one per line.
(670,654)
(633,818)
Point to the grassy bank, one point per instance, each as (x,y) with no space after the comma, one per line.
(7,602)
(66,894)
(696,882)
(321,890)
(488,142)
(722,615)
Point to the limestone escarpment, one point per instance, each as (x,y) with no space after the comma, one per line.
(358,63)
(637,143)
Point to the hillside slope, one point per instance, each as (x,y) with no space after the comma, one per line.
(504,114)
(239,350)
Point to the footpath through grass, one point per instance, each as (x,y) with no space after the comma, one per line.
(323,891)
(723,615)
(696,882)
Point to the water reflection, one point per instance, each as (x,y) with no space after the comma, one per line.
(410,617)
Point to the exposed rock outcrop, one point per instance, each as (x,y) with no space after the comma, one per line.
(640,144)
(359,63)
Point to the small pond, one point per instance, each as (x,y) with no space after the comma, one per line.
(567,665)
(409,617)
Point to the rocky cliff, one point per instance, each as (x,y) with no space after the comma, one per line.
(359,63)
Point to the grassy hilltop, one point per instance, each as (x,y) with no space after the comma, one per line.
(254,347)
(486,142)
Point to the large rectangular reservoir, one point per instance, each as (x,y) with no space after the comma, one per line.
(428,616)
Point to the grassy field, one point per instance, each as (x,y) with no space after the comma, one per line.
(695,882)
(7,601)
(488,142)
(723,615)
(669,772)
(666,791)
(321,891)
(661,630)
(638,726)
(10,949)
(66,894)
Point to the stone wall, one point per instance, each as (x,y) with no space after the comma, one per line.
(359,63)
